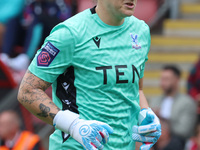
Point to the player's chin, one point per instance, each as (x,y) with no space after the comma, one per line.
(128,12)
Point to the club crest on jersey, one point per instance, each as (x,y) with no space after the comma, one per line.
(135,43)
(47,55)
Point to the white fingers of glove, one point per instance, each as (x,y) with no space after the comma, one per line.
(145,129)
(140,138)
(148,133)
(90,134)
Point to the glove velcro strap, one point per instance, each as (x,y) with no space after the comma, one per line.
(64,119)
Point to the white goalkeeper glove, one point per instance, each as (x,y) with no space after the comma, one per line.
(149,129)
(90,134)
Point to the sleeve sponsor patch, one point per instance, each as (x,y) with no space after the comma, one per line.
(47,55)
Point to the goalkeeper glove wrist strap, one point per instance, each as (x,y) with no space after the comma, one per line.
(64,119)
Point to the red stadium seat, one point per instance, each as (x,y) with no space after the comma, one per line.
(146,9)
(84,4)
(6,77)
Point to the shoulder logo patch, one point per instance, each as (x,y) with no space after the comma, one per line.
(135,43)
(97,41)
(47,55)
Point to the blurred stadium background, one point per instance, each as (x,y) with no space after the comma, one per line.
(175,30)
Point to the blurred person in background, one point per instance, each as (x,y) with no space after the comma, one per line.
(9,9)
(194,142)
(39,17)
(167,141)
(178,108)
(194,85)
(11,135)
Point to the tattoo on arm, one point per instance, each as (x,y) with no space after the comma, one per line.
(52,115)
(32,95)
(31,86)
(44,111)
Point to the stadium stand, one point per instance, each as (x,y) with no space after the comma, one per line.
(7,81)
(178,44)
(84,4)
(150,7)
(10,78)
(8,101)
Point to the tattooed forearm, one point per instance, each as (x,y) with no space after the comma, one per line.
(44,110)
(33,89)
(32,95)
(52,115)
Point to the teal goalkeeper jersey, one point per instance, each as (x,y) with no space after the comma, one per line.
(95,70)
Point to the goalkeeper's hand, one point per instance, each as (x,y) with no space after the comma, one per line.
(90,134)
(149,129)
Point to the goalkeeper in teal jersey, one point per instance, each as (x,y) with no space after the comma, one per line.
(95,62)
